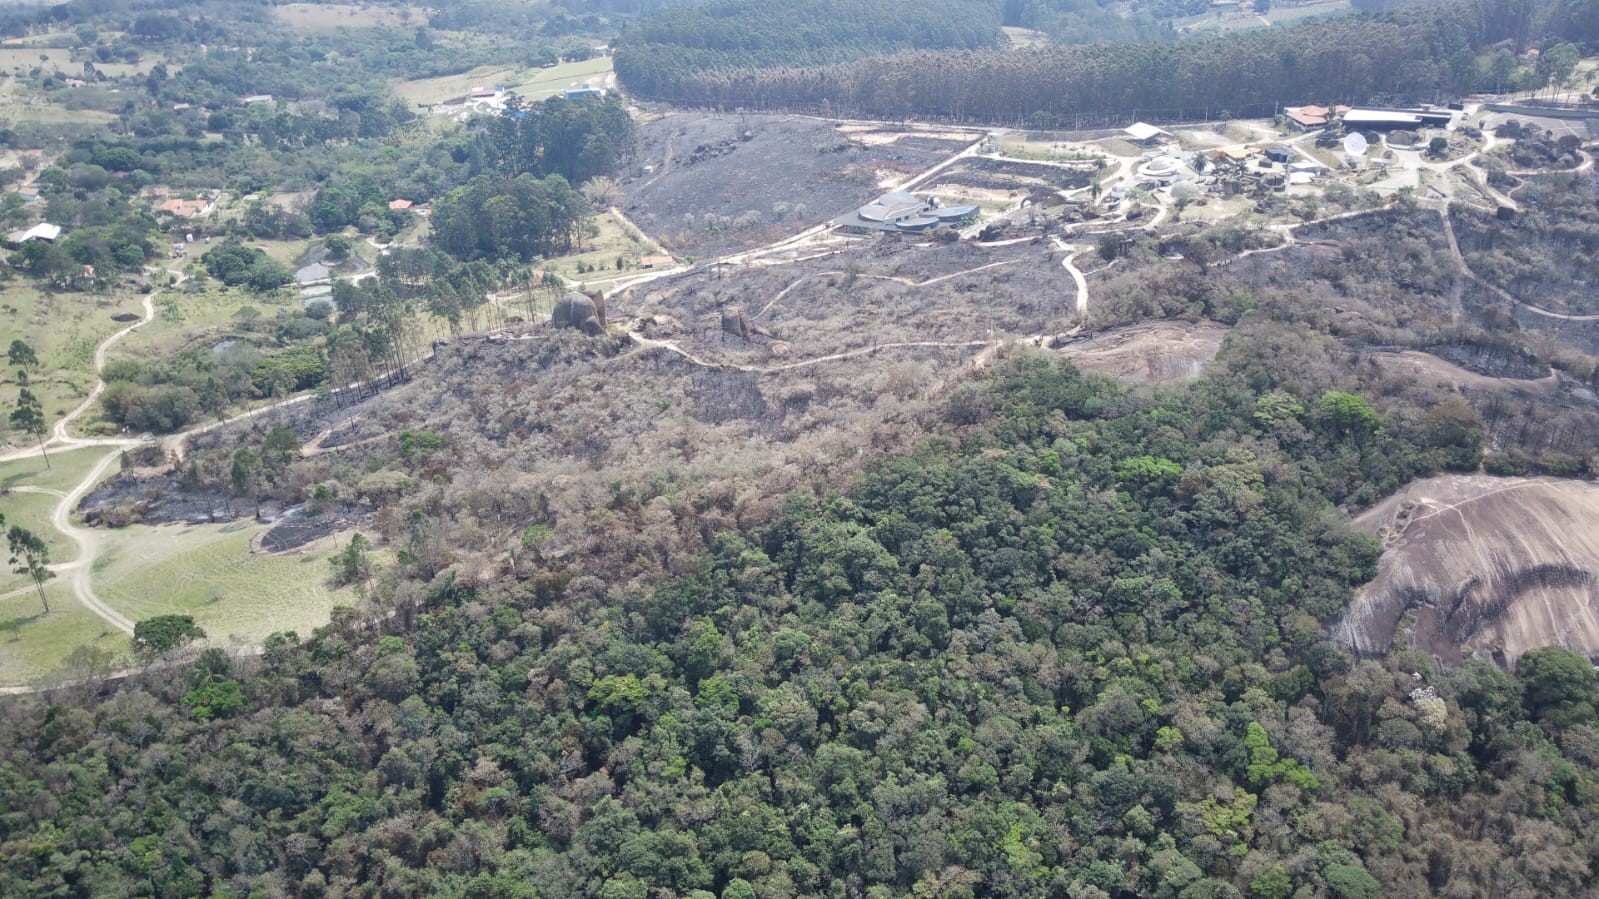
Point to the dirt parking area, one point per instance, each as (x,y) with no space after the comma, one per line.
(1582,129)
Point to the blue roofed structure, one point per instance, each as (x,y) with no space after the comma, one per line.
(900,212)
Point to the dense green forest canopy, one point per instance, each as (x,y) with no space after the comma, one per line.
(1423,52)
(577,139)
(1071,646)
(754,34)
(1092,21)
(495,217)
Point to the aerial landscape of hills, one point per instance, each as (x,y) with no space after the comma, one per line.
(729,449)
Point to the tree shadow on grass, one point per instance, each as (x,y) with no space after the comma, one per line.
(14,626)
(19,478)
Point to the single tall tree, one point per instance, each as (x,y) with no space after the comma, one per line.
(29,417)
(22,355)
(30,556)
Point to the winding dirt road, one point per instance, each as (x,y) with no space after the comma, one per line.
(79,571)
(59,432)
(1070,264)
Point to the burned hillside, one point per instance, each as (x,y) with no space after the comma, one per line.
(878,294)
(571,436)
(706,185)
(1545,252)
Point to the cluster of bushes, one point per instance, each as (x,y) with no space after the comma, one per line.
(164,395)
(236,265)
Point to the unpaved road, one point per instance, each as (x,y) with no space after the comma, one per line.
(1070,264)
(59,432)
(81,571)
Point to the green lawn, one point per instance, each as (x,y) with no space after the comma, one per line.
(428,91)
(13,59)
(209,572)
(34,510)
(206,571)
(540,84)
(533,83)
(183,319)
(600,252)
(34,646)
(66,469)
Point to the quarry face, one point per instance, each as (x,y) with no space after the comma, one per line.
(1485,567)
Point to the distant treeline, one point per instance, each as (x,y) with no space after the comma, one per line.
(679,46)
(1423,52)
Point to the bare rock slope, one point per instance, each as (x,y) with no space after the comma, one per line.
(1490,567)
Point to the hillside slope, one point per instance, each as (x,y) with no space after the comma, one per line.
(1491,567)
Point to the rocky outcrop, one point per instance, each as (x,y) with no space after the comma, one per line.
(734,323)
(583,312)
(1484,567)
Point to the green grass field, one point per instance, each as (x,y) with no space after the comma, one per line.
(34,646)
(1025,38)
(209,572)
(1244,16)
(428,91)
(533,83)
(33,511)
(63,328)
(64,472)
(539,84)
(325,17)
(600,252)
(206,571)
(13,59)
(183,319)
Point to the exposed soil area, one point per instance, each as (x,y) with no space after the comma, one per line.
(1432,370)
(705,185)
(1488,567)
(1150,353)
